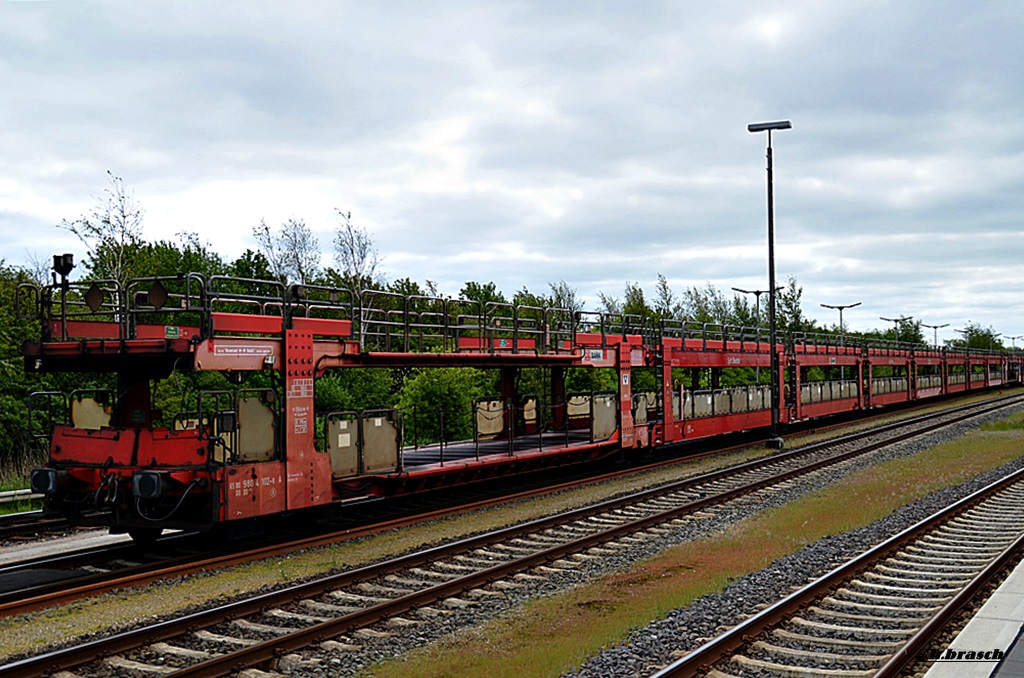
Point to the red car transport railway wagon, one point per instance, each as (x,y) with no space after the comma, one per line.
(258,446)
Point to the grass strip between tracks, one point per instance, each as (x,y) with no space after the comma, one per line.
(556,633)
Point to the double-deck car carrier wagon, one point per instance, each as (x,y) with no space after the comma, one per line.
(255,445)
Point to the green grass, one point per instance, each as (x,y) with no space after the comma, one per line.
(21,506)
(18,506)
(1014,422)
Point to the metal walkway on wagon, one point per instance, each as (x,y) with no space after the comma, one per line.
(472,451)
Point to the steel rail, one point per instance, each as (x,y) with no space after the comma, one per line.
(11,496)
(25,522)
(740,635)
(58,592)
(70,657)
(264,651)
(907,655)
(44,595)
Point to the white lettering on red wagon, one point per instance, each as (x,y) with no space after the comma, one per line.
(301,388)
(300,419)
(234,349)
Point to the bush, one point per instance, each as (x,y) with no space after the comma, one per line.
(448,393)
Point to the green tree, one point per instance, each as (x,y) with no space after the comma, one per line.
(975,335)
(789,312)
(589,379)
(525,297)
(166,258)
(407,287)
(529,317)
(354,389)
(609,304)
(707,305)
(197,257)
(18,450)
(482,293)
(178,394)
(744,313)
(635,303)
(666,305)
(447,394)
(564,296)
(251,264)
(912,333)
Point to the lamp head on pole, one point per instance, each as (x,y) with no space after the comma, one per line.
(768,126)
(841,307)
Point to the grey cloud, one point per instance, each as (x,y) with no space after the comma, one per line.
(594,143)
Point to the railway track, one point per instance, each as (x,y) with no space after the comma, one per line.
(51,580)
(43,582)
(873,615)
(405,591)
(29,523)
(34,523)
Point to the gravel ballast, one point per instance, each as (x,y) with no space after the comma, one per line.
(683,629)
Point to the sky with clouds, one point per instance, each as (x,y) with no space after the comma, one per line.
(527,143)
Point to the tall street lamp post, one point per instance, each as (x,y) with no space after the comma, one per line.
(842,331)
(935,342)
(774,441)
(757,316)
(841,307)
(757,301)
(1013,342)
(896,326)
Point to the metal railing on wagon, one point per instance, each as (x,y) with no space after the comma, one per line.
(61,304)
(388,321)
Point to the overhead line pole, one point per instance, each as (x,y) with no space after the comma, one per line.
(841,307)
